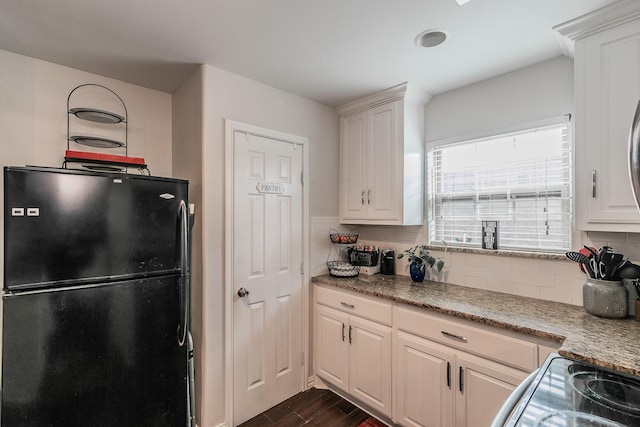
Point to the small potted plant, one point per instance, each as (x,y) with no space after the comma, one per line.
(419,258)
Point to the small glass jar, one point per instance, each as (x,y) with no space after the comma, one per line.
(605,298)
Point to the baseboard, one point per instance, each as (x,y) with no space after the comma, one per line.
(311,382)
(318,383)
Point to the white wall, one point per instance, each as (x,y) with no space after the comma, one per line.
(33,117)
(527,95)
(187,164)
(229,96)
(33,114)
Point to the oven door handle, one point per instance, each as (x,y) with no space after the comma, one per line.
(509,405)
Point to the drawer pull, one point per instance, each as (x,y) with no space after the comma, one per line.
(453,336)
(344,304)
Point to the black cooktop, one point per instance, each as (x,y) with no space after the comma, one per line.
(570,393)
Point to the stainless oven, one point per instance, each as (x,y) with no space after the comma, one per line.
(565,392)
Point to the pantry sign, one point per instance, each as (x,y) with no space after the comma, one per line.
(270,188)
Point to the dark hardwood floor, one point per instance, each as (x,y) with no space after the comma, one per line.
(312,407)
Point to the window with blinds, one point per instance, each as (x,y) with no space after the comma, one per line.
(522,180)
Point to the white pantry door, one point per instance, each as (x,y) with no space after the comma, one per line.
(267,264)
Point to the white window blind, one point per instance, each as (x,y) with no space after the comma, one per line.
(521,179)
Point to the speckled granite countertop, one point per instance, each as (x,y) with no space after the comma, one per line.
(611,343)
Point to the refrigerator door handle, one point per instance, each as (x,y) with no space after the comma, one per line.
(191,390)
(634,156)
(185,283)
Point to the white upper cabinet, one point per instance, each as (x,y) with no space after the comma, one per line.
(607,90)
(382,158)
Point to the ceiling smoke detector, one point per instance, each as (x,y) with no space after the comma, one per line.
(431,38)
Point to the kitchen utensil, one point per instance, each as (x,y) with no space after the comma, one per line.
(593,264)
(588,252)
(591,250)
(599,262)
(606,249)
(603,250)
(636,284)
(608,260)
(583,260)
(592,253)
(629,271)
(577,257)
(617,267)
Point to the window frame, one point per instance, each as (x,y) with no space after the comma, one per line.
(470,138)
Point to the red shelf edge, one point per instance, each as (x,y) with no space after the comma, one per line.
(84,156)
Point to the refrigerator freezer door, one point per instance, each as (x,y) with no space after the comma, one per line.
(66,227)
(103,355)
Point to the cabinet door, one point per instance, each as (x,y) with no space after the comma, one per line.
(482,388)
(424,382)
(353,167)
(332,346)
(384,198)
(607,90)
(370,364)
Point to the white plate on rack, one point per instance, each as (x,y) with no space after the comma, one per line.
(96,141)
(97,116)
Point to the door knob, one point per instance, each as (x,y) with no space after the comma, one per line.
(243,292)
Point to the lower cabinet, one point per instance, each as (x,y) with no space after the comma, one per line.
(425,382)
(332,347)
(482,388)
(437,386)
(452,373)
(413,366)
(354,354)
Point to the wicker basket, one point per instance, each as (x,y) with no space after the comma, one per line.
(348,238)
(342,269)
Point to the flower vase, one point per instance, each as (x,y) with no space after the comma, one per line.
(417,272)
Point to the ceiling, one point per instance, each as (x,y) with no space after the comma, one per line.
(330,51)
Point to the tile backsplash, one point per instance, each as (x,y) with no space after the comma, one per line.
(552,280)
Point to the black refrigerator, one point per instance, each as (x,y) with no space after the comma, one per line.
(95,300)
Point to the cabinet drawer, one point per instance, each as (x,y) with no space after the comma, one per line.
(359,305)
(457,334)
